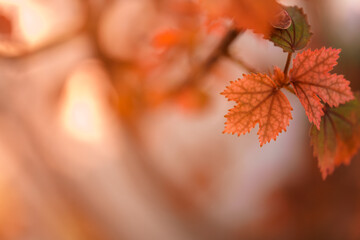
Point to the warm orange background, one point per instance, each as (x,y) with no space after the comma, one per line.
(98,141)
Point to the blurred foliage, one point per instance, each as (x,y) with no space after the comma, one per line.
(110,126)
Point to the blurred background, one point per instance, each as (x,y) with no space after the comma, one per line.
(111,127)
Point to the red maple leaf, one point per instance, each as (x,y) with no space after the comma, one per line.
(259,101)
(338,140)
(312,82)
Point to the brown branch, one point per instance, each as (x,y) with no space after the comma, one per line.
(200,71)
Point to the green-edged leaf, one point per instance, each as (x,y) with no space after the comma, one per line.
(338,139)
(297,36)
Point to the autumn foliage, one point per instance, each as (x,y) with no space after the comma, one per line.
(260,99)
(337,140)
(112,116)
(314,85)
(247,14)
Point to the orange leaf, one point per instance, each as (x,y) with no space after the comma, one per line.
(6,25)
(338,140)
(312,82)
(247,14)
(278,76)
(167,38)
(192,98)
(259,101)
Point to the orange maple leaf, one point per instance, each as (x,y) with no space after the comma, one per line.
(338,140)
(259,101)
(312,82)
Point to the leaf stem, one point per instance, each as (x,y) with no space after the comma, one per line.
(287,65)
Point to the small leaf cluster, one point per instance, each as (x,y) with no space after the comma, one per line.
(329,103)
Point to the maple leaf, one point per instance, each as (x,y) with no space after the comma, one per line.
(295,37)
(259,101)
(312,82)
(278,76)
(338,140)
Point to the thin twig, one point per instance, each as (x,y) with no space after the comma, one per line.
(199,72)
(242,64)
